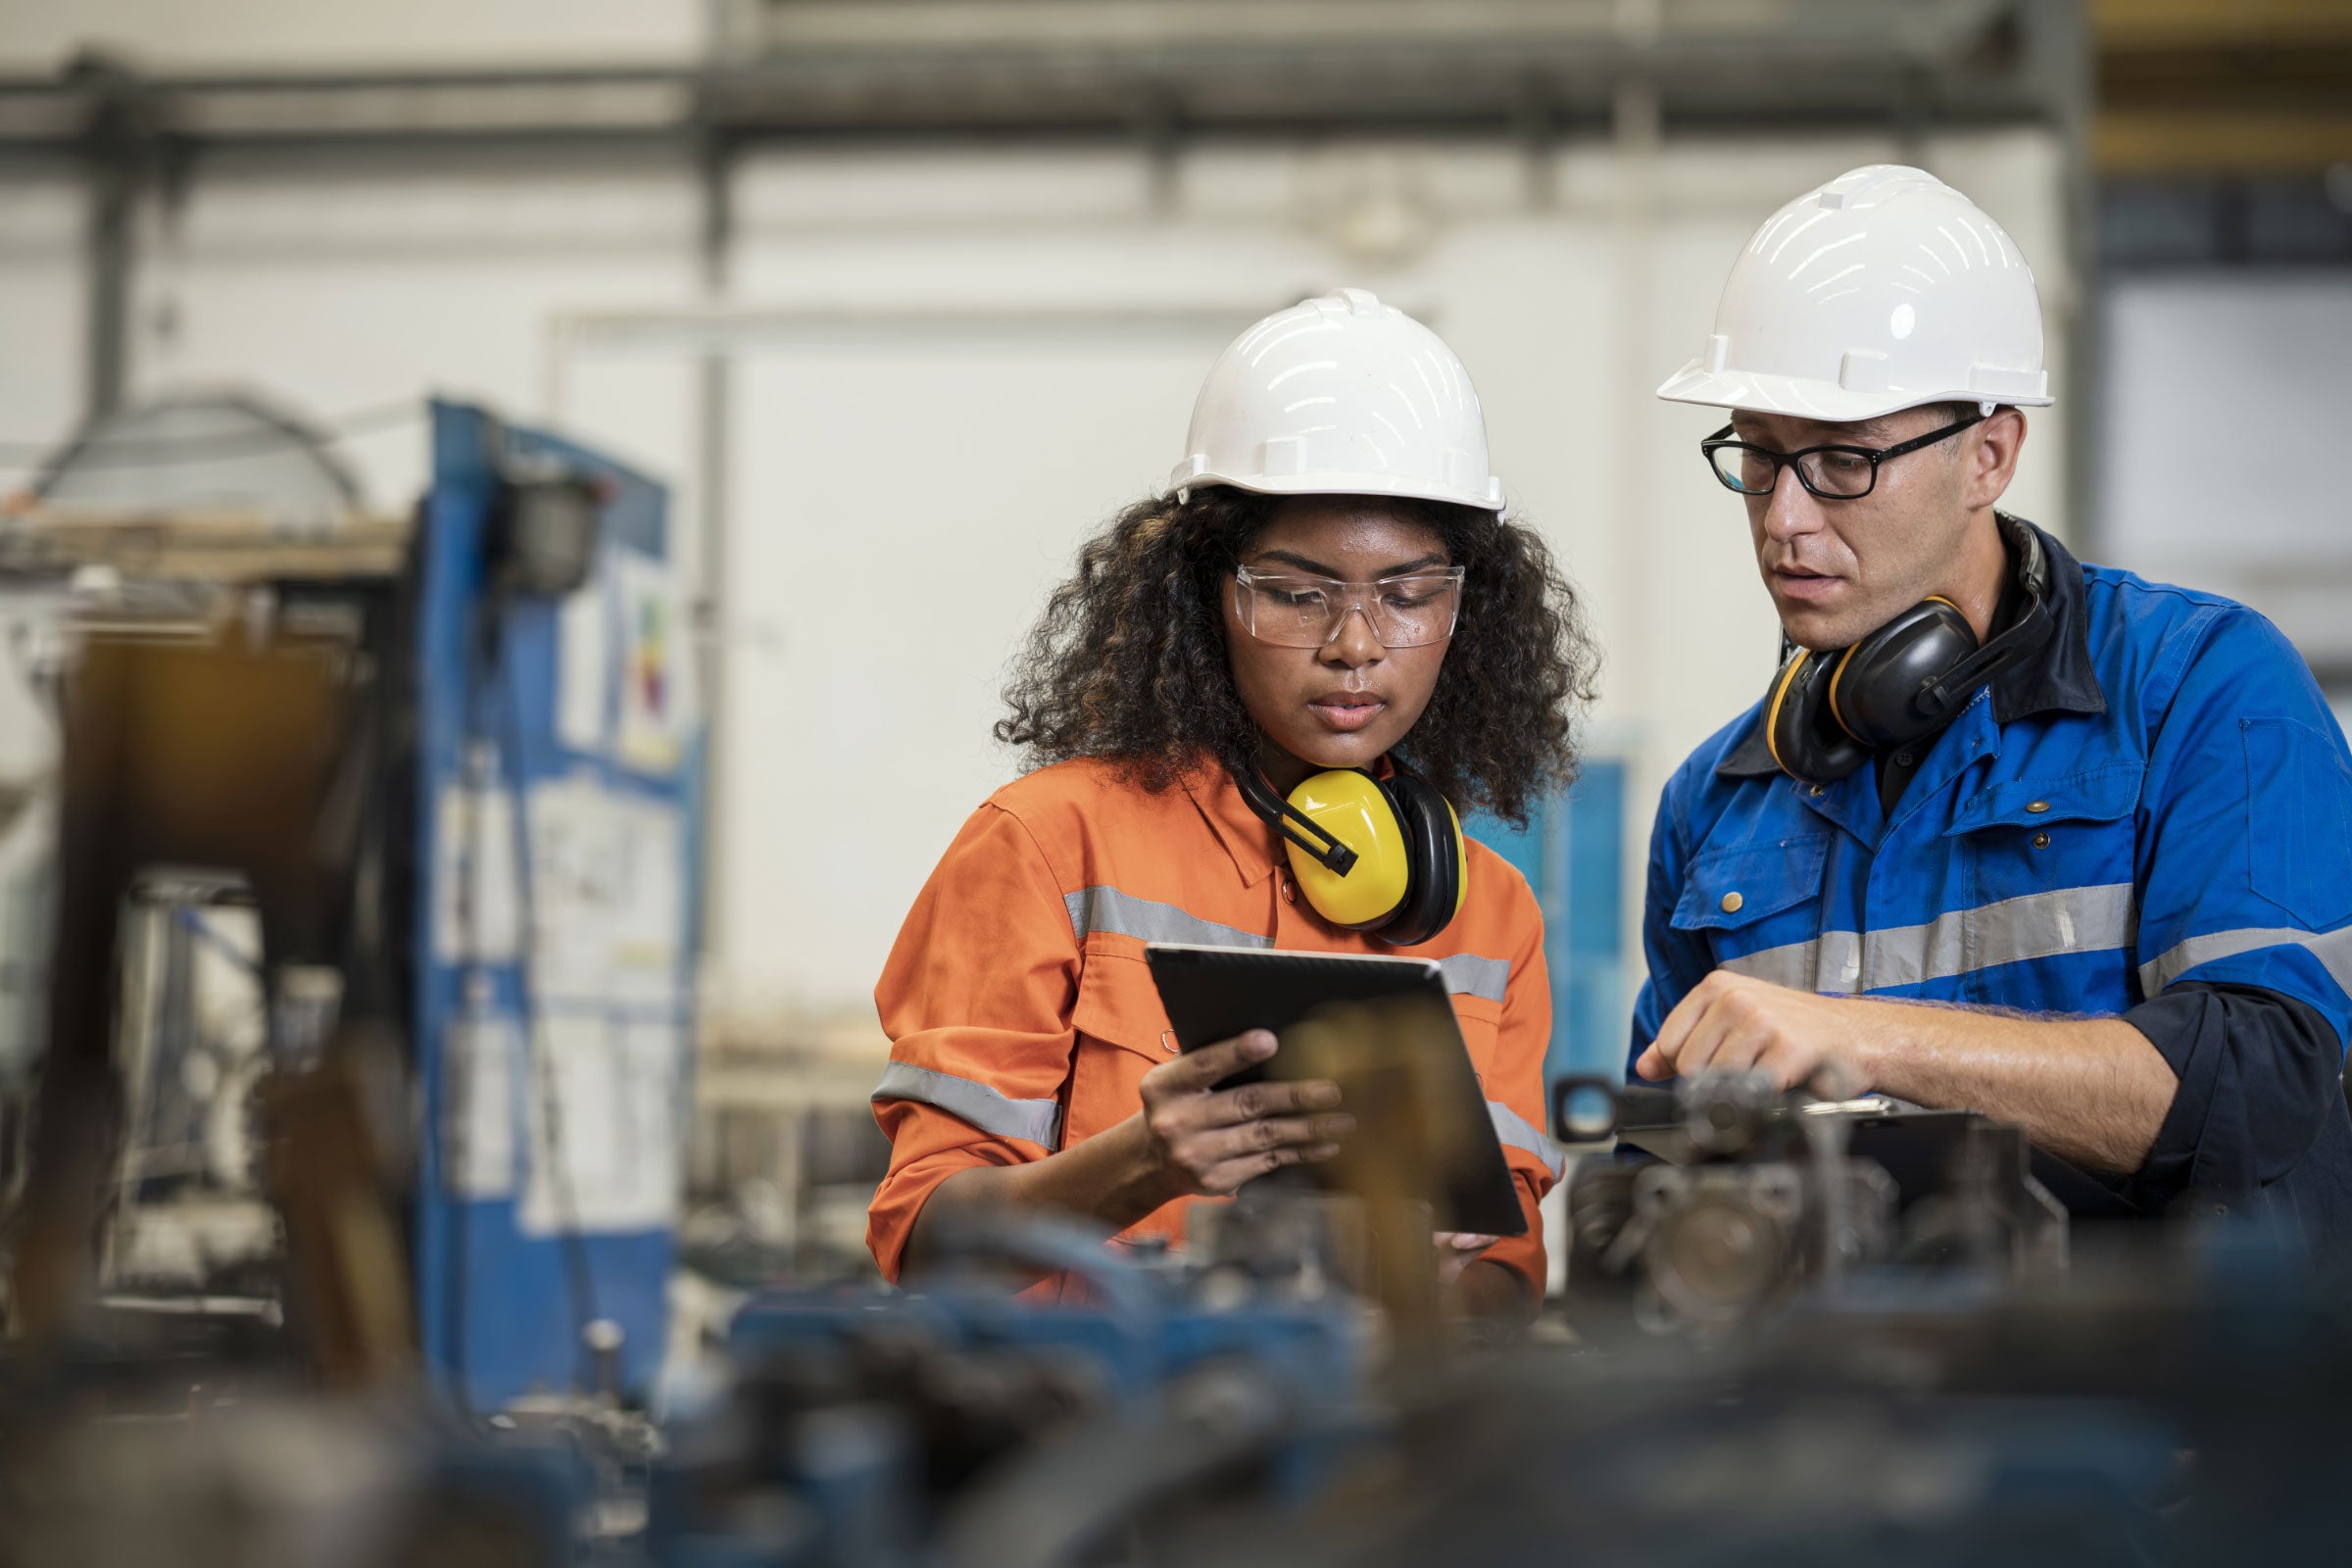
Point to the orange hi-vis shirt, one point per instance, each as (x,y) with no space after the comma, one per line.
(1022,1016)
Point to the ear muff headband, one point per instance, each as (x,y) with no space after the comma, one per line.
(1370,854)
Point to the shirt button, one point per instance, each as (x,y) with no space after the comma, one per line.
(1732,902)
(1902,758)
(1290,890)
(1167,1041)
(2037,806)
(1817,792)
(2041,841)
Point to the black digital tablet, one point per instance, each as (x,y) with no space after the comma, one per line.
(1383,1030)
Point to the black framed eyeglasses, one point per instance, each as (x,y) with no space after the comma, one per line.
(1832,472)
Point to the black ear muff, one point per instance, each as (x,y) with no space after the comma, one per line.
(1877,691)
(1826,712)
(1434,849)
(1798,726)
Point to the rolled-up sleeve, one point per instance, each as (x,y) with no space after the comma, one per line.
(977,1000)
(2245,943)
(2258,1100)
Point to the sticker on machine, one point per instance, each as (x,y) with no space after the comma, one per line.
(608,896)
(660,704)
(605,1101)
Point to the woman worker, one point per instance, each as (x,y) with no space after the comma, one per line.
(1330,584)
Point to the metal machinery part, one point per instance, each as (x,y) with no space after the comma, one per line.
(1774,1198)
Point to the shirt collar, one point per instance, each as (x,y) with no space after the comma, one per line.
(1246,838)
(2057,679)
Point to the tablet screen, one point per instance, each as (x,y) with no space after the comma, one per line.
(1383,1029)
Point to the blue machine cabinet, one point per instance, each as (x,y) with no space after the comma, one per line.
(556,848)
(1572,853)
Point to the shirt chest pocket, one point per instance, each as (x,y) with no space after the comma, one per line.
(2041,838)
(1751,896)
(1120,1006)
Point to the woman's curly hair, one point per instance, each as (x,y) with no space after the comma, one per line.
(1128,663)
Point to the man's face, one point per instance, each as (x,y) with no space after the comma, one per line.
(1840,569)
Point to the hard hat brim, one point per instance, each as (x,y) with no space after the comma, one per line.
(1331,482)
(1804,398)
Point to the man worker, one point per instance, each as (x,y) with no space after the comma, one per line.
(2008,832)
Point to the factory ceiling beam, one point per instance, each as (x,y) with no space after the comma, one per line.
(1109,68)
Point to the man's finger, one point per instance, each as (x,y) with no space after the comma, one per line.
(1703,1037)
(1674,1031)
(1229,1106)
(1213,1064)
(1652,1065)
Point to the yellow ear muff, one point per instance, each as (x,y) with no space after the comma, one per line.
(1352,808)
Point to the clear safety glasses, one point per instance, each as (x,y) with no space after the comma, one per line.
(1290,611)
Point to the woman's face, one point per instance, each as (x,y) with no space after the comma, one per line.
(1343,704)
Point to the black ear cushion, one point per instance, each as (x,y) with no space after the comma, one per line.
(1437,869)
(1874,692)
(1806,740)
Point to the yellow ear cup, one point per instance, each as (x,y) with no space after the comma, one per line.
(1352,808)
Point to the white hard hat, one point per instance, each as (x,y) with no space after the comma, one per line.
(1881,290)
(1340,395)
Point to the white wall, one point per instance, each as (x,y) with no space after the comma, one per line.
(902,504)
(2224,450)
(41,310)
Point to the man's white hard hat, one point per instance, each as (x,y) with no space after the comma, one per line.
(1340,395)
(1881,290)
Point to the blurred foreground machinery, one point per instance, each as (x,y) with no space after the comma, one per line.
(961,1426)
(2169,1400)
(1745,1198)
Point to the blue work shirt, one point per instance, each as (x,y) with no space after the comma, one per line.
(2150,818)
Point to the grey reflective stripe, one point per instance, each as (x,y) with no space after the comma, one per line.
(1797,966)
(1106,908)
(1468,975)
(1102,908)
(2039,925)
(1037,1120)
(2332,947)
(1517,1132)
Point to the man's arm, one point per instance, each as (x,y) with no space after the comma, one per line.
(2092,1090)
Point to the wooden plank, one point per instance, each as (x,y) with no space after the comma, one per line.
(2135,25)
(2213,141)
(224,546)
